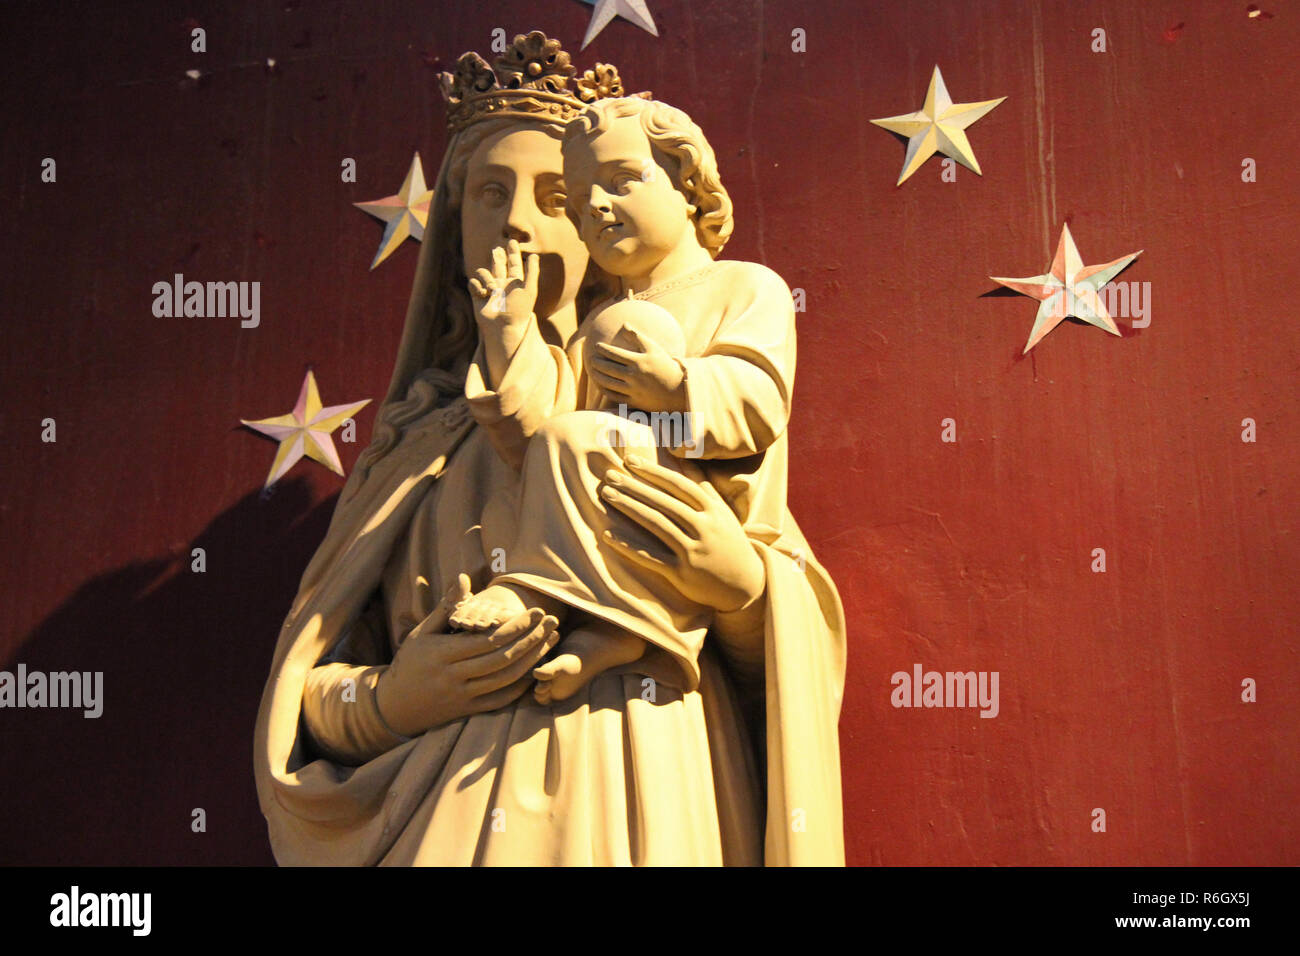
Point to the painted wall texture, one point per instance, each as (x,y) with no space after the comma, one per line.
(1119,690)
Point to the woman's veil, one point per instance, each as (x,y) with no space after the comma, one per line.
(434,271)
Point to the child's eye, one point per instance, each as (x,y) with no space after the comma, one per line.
(623,178)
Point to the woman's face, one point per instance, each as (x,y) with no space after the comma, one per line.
(514,189)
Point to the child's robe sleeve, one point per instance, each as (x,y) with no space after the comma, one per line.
(738,390)
(538,383)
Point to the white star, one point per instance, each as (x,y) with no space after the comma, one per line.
(632,10)
(937,127)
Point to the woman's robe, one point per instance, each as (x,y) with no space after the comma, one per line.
(605,777)
(738,325)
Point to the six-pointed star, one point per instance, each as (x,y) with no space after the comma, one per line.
(406,213)
(1069,289)
(937,127)
(606,10)
(305,431)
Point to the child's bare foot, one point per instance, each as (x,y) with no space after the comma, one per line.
(495,605)
(588,651)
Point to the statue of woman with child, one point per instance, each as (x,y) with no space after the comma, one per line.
(540,631)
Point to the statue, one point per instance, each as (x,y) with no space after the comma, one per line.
(686,666)
(650,206)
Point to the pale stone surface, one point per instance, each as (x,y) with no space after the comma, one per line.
(699,649)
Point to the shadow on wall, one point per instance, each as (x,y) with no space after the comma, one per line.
(184,657)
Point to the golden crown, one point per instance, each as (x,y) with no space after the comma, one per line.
(532,78)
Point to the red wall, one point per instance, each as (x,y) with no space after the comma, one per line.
(1118,690)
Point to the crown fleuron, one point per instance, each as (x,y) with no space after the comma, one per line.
(532,78)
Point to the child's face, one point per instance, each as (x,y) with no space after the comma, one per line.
(630,215)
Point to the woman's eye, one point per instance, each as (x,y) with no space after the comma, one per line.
(554,202)
(493,194)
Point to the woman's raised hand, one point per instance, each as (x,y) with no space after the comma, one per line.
(705,551)
(437,677)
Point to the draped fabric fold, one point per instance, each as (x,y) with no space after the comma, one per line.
(605,778)
(616,774)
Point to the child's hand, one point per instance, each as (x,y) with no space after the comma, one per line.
(506,295)
(647,378)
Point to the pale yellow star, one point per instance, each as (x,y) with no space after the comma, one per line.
(407,213)
(937,127)
(305,431)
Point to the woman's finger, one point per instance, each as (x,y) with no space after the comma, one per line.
(668,534)
(541,632)
(475,644)
(476,288)
(684,515)
(510,648)
(652,520)
(436,621)
(499,263)
(486,279)
(634,554)
(679,486)
(503,697)
(464,645)
(534,648)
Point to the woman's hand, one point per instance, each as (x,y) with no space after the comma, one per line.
(438,677)
(705,552)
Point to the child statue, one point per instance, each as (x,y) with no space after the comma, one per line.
(710,343)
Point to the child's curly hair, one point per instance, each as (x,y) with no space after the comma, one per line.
(672,133)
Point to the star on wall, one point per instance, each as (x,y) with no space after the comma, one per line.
(1069,289)
(305,431)
(407,213)
(634,11)
(938,127)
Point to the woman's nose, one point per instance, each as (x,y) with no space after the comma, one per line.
(518,221)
